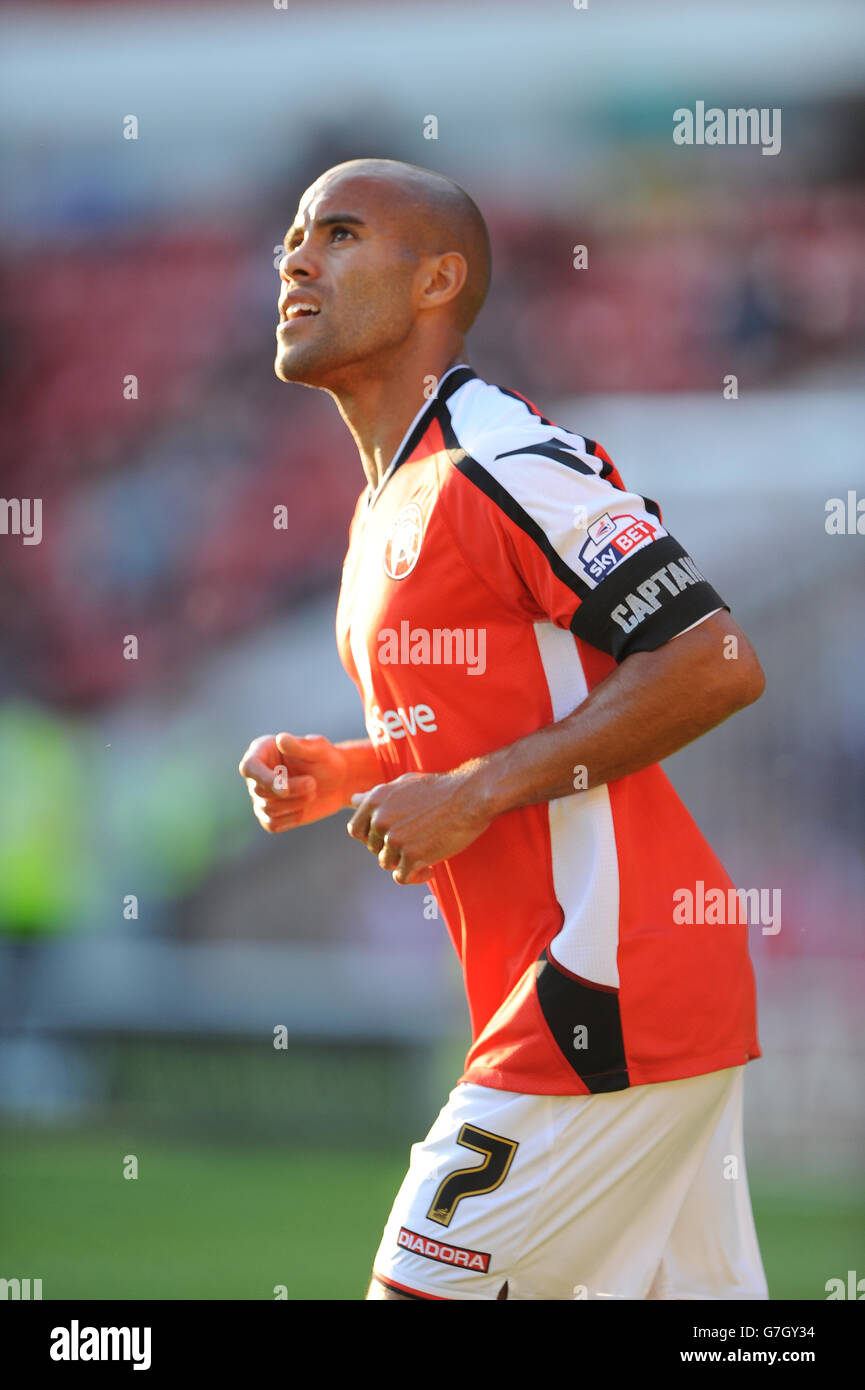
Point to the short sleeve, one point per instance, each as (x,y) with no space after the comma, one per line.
(595,557)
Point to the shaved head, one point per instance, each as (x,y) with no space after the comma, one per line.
(435,216)
(384,262)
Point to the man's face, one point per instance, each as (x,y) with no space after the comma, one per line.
(347,260)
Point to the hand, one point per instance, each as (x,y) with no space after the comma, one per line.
(293,781)
(417,820)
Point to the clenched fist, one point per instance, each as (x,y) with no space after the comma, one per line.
(293,781)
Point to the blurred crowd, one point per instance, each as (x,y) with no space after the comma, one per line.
(142,409)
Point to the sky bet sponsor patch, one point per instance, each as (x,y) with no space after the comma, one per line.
(445,1254)
(651,597)
(612,539)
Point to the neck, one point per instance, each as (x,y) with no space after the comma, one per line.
(378,409)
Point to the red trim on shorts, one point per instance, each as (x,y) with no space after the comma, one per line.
(404,1288)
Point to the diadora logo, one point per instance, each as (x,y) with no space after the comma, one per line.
(612,539)
(403,542)
(391,724)
(445,1254)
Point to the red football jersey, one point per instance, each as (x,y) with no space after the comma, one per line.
(498,573)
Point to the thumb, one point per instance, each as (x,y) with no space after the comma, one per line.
(305,748)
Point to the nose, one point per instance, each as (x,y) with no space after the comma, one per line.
(296,265)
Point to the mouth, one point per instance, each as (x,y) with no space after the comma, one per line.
(294,312)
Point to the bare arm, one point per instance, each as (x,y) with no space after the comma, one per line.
(363,769)
(648,708)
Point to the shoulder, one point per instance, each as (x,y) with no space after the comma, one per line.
(499,439)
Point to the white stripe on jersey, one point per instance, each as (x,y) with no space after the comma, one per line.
(583,841)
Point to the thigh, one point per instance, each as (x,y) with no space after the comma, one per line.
(623,1164)
(562,1197)
(713,1252)
(460,1218)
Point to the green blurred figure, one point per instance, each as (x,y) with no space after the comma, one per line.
(45,855)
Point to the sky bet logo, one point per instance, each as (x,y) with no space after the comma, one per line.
(611,540)
(673,578)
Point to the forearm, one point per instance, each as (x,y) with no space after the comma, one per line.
(363,769)
(646,709)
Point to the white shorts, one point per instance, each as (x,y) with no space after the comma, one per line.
(638,1194)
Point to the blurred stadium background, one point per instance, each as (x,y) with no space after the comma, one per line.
(148,1030)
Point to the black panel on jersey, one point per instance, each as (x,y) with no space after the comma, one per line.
(647,599)
(569,1004)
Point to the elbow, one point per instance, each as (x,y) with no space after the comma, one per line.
(748,684)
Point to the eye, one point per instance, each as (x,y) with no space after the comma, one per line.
(338,230)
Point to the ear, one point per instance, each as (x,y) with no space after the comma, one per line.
(443,278)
